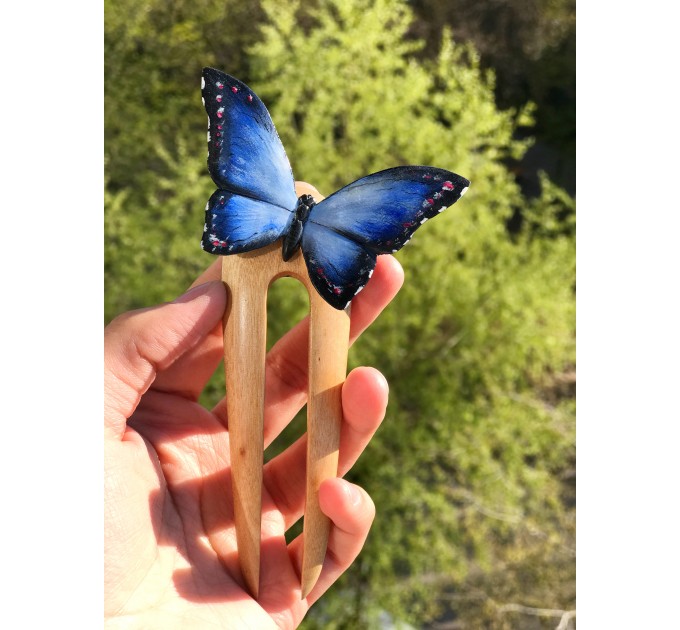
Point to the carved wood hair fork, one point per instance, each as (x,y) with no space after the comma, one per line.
(266,229)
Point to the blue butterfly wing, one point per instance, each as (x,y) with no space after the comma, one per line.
(245,154)
(338,266)
(383,210)
(376,214)
(235,224)
(256,191)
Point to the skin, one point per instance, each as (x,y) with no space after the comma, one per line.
(171,558)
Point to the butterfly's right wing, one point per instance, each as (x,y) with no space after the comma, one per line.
(245,154)
(338,266)
(374,215)
(383,210)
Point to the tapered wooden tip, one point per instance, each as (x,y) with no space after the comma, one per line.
(310,579)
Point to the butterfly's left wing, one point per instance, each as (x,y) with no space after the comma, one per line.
(254,203)
(245,154)
(235,224)
(374,215)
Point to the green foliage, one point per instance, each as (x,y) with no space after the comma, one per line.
(472,470)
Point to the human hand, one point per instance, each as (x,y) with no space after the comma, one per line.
(170,554)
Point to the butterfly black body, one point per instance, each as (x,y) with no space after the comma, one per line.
(341,236)
(291,241)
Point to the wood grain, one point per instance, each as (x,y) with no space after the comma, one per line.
(247,278)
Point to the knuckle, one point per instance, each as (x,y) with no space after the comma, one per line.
(287,371)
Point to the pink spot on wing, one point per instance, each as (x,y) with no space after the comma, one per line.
(337,290)
(218,134)
(234,89)
(427,176)
(448,185)
(219,126)
(408,224)
(250,98)
(219,85)
(218,98)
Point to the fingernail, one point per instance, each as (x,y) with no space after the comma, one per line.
(193,293)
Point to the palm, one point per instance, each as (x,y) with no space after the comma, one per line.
(175,574)
(171,556)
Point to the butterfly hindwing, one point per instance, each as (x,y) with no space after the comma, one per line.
(382,211)
(245,154)
(338,267)
(235,224)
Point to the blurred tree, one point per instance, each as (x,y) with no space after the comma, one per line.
(154,50)
(472,472)
(155,137)
(467,471)
(531,45)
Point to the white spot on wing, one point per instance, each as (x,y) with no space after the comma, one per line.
(423,221)
(462,192)
(442,209)
(208,136)
(207,205)
(359,289)
(203,101)
(370,273)
(202,82)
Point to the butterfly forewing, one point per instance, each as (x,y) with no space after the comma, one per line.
(383,210)
(245,154)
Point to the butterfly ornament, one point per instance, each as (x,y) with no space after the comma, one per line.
(255,203)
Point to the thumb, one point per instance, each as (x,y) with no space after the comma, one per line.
(139,344)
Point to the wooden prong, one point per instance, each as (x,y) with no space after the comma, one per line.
(245,337)
(328,346)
